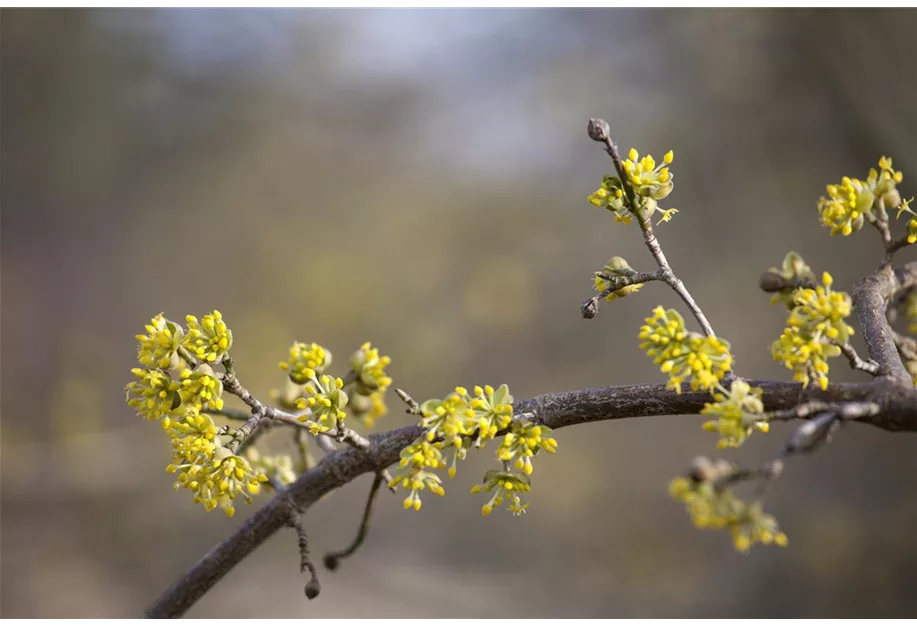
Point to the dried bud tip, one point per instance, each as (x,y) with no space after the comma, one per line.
(598,130)
(590,308)
(313,588)
(332,562)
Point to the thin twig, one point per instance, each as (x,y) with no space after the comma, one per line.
(231,413)
(857,362)
(332,560)
(850,410)
(649,237)
(413,406)
(590,307)
(301,440)
(313,587)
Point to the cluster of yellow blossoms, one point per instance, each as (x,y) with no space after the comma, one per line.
(306,361)
(650,183)
(324,397)
(179,386)
(816,328)
(853,201)
(178,393)
(685,356)
(460,421)
(739,412)
(714,507)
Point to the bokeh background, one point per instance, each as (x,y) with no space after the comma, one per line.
(418,178)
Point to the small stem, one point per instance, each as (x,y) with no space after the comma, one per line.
(892,247)
(313,587)
(856,362)
(846,411)
(590,306)
(301,440)
(185,354)
(242,433)
(649,237)
(413,406)
(231,413)
(332,560)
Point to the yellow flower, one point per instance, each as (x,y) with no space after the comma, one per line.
(326,403)
(524,441)
(414,472)
(369,366)
(685,356)
(504,485)
(307,361)
(852,201)
(200,387)
(816,327)
(739,411)
(154,395)
(158,346)
(208,339)
(717,508)
(648,179)
(220,480)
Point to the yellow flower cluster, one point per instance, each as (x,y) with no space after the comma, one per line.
(685,356)
(212,472)
(815,329)
(368,409)
(464,420)
(461,415)
(648,179)
(278,467)
(852,201)
(154,395)
(739,413)
(326,403)
(650,183)
(178,398)
(504,485)
(524,441)
(208,339)
(413,474)
(369,366)
(157,348)
(912,223)
(718,508)
(306,362)
(200,388)
(794,272)
(616,266)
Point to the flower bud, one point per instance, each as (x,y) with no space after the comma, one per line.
(598,130)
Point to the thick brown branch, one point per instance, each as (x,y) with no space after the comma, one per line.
(898,412)
(871,296)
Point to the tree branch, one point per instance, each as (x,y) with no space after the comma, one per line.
(871,296)
(897,405)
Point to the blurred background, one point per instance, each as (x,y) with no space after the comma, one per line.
(419,178)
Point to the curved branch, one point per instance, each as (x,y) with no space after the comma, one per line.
(871,296)
(898,412)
